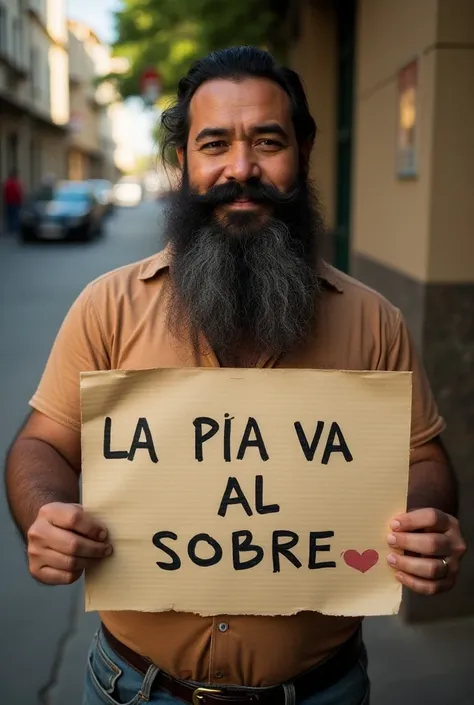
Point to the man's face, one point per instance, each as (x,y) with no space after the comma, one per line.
(241,131)
(244,226)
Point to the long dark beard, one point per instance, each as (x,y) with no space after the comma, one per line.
(249,284)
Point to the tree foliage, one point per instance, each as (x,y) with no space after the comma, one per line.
(169,34)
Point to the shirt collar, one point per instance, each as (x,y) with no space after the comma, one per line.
(157,263)
(151,266)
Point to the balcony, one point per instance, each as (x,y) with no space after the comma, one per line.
(37,9)
(17,69)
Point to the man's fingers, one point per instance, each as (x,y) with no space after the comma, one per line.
(424,544)
(422,519)
(74,518)
(66,564)
(428,568)
(72,544)
(425,587)
(52,576)
(66,542)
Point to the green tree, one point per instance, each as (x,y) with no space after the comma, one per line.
(169,34)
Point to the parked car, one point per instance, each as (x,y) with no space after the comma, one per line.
(72,212)
(103,190)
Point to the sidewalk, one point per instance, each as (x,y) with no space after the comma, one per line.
(429,664)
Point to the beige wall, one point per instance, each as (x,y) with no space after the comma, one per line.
(390,33)
(314,57)
(456,21)
(85,135)
(390,217)
(422,227)
(53,152)
(91,135)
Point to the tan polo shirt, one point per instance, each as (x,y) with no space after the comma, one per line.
(119,322)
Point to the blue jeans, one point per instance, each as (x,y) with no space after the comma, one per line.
(112,681)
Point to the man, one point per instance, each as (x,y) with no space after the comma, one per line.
(12,199)
(239,284)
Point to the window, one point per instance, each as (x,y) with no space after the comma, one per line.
(35,73)
(18,41)
(47,81)
(3,30)
(12,152)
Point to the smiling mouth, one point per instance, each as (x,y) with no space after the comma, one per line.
(243,203)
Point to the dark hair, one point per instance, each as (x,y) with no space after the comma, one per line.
(235,63)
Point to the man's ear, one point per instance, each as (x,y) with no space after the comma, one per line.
(180,155)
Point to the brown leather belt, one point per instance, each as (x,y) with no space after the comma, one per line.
(323,676)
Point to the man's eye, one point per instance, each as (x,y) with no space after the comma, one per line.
(217,144)
(270,144)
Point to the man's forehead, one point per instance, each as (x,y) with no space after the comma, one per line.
(220,102)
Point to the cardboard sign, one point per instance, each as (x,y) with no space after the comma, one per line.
(245,491)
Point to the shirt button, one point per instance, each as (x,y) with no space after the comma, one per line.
(223,627)
(219,674)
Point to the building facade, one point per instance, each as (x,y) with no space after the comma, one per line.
(92,141)
(54,120)
(34,96)
(391,86)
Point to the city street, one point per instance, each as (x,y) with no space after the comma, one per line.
(37,285)
(44,632)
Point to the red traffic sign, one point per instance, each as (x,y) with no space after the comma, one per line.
(150,85)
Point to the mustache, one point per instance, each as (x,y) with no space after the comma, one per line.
(252,190)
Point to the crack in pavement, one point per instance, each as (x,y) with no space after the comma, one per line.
(46,691)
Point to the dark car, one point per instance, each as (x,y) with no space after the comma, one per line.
(72,212)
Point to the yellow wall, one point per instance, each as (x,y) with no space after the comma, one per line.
(390,218)
(390,32)
(423,227)
(314,58)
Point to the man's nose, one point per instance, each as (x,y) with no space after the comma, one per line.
(242,164)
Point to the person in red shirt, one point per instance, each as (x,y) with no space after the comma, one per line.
(12,199)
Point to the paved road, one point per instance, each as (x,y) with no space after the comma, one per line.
(44,634)
(37,285)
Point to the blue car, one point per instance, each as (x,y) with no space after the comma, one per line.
(71,213)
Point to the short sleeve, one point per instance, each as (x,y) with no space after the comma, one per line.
(79,346)
(426,422)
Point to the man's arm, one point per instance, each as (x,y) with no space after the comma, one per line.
(432,481)
(42,466)
(42,473)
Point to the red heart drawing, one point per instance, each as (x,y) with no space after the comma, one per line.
(361,561)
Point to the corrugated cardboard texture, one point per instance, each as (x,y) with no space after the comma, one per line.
(352,499)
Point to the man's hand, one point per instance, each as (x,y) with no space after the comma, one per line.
(62,542)
(435,539)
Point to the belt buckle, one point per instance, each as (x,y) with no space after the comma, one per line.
(200,693)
